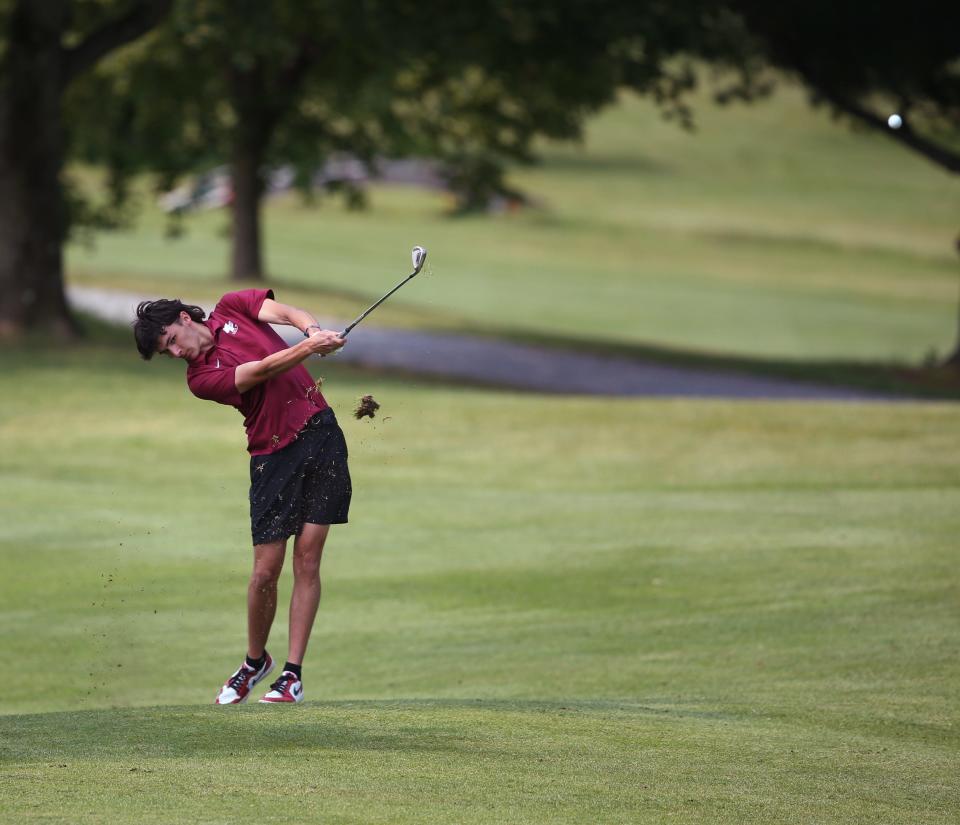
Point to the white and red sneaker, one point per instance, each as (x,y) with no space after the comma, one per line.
(237,688)
(288,688)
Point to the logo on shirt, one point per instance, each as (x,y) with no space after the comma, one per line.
(230,327)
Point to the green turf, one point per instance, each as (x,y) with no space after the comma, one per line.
(544,610)
(772,231)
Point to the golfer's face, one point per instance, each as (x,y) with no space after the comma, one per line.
(179,341)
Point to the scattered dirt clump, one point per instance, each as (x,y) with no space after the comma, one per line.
(366,408)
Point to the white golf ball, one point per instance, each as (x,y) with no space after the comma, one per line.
(894,121)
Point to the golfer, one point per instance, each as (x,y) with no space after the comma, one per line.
(299,480)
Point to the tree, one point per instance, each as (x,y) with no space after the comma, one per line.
(252,84)
(45,45)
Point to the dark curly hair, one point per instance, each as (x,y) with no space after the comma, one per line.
(153,317)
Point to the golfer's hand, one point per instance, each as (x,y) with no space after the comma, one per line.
(325,341)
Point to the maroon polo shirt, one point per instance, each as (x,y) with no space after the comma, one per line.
(274,411)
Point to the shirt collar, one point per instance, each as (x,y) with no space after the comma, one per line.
(214,326)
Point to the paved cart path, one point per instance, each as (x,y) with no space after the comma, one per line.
(520,366)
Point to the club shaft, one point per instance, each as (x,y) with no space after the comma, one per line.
(371,308)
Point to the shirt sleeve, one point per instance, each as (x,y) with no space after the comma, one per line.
(213,384)
(245,302)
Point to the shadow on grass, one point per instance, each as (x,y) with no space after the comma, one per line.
(424,725)
(618,164)
(410,725)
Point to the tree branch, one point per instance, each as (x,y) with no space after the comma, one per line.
(141,17)
(933,152)
(266,106)
(292,75)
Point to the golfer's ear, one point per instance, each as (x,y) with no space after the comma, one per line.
(184,318)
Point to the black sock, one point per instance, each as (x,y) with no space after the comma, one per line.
(256,664)
(294,669)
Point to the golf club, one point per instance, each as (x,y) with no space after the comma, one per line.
(418,256)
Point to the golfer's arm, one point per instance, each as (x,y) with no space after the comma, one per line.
(252,373)
(273,312)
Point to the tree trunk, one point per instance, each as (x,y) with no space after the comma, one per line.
(246,257)
(32,211)
(259,103)
(250,95)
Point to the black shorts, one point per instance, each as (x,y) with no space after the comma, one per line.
(306,481)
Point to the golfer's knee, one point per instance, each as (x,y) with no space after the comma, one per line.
(264,579)
(306,566)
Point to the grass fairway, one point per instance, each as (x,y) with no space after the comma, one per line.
(544,610)
(771,232)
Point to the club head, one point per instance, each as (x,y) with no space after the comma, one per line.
(418,256)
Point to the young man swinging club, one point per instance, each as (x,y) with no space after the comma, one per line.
(299,480)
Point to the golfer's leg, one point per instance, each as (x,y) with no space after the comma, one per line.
(307,550)
(262,594)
